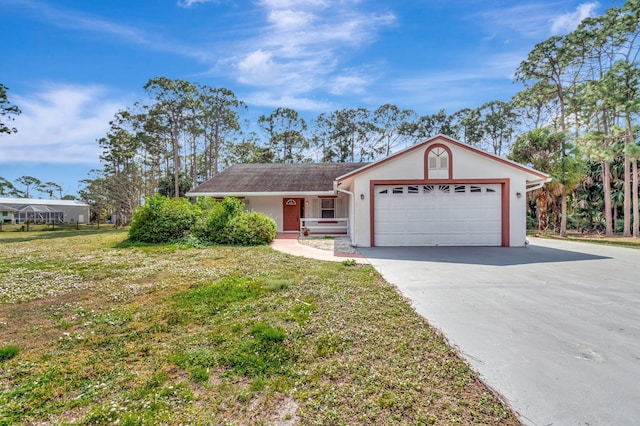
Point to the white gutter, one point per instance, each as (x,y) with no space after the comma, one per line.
(538,185)
(352,219)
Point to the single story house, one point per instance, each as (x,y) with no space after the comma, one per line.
(35,210)
(440,192)
(7,214)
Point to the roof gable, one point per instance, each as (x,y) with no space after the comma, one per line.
(266,178)
(534,174)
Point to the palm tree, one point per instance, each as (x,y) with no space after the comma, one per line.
(539,149)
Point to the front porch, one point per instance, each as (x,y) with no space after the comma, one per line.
(324,226)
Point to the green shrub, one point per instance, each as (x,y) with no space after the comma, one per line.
(211,222)
(163,219)
(262,229)
(226,222)
(8,352)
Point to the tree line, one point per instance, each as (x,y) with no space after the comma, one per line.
(576,119)
(29,186)
(184,133)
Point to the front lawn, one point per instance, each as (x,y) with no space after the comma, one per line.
(104,332)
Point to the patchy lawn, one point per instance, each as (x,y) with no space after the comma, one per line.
(110,333)
(616,240)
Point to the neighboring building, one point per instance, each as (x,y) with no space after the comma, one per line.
(7,214)
(439,192)
(19,210)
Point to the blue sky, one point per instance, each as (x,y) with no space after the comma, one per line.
(70,65)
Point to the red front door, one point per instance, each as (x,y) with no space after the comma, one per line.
(292,212)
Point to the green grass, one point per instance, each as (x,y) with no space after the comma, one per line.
(615,241)
(8,352)
(138,334)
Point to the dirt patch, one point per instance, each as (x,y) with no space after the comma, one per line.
(337,244)
(287,413)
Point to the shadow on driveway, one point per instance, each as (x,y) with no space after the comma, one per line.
(493,256)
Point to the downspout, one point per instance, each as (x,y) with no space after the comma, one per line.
(352,221)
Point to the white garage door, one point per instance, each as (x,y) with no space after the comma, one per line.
(438,215)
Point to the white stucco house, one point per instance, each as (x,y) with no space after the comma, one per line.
(440,192)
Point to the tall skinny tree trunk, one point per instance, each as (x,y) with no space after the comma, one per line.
(543,210)
(606,183)
(636,210)
(626,231)
(563,217)
(176,163)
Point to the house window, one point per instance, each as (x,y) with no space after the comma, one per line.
(438,163)
(398,190)
(444,188)
(460,188)
(475,188)
(328,208)
(412,189)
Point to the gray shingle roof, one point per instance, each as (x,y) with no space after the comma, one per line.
(299,177)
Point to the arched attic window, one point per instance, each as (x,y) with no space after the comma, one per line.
(438,163)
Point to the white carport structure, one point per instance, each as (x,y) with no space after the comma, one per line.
(39,214)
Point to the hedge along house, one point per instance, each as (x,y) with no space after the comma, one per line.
(440,192)
(44,211)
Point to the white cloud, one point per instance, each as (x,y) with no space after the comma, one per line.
(283,4)
(256,66)
(569,21)
(290,19)
(344,84)
(189,3)
(532,20)
(271,100)
(452,90)
(61,125)
(301,43)
(71,19)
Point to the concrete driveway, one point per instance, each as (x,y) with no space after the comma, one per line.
(553,327)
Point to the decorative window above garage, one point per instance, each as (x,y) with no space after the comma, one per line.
(438,163)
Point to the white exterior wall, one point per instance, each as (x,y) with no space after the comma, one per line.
(411,166)
(273,206)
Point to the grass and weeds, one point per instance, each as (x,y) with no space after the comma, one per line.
(114,333)
(616,241)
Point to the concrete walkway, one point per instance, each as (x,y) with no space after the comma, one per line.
(288,243)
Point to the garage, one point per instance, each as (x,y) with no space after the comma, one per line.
(456,214)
